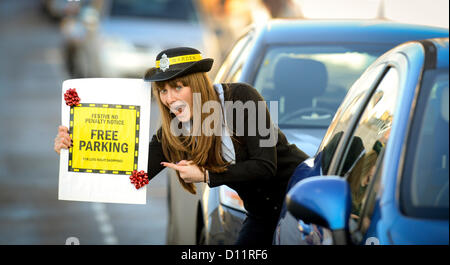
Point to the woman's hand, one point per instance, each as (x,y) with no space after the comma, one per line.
(62,139)
(189,172)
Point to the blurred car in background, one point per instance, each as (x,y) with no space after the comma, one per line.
(58,9)
(121,38)
(307,67)
(381,173)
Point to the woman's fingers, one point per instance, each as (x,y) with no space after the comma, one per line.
(59,144)
(172,165)
(63,132)
(56,147)
(62,139)
(63,129)
(183,163)
(188,170)
(67,142)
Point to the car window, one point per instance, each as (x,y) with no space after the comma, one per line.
(358,165)
(310,82)
(345,114)
(232,57)
(424,190)
(155,9)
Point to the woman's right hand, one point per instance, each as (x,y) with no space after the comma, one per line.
(62,139)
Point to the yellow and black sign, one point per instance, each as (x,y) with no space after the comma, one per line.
(105,138)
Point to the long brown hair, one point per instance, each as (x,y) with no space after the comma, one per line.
(203,150)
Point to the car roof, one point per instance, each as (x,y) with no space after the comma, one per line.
(442,46)
(341,31)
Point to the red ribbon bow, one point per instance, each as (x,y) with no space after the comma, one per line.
(139,179)
(71,97)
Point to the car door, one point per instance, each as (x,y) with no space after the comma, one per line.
(424,179)
(291,230)
(360,158)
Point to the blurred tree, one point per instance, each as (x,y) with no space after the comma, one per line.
(283,9)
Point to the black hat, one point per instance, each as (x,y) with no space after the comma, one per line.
(177,62)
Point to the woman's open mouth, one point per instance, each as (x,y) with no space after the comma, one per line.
(177,108)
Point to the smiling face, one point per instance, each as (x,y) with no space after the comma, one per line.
(178,99)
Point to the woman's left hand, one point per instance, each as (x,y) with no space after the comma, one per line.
(189,172)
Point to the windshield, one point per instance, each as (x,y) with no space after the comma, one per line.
(309,82)
(183,10)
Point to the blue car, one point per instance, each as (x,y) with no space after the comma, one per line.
(380,175)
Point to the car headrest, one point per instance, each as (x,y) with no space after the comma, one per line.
(304,77)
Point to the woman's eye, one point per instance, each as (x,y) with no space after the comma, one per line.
(179,87)
(163,91)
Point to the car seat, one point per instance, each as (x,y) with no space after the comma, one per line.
(297,82)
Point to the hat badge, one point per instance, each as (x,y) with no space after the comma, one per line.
(164,62)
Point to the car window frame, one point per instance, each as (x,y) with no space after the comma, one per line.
(336,161)
(238,63)
(235,75)
(350,133)
(358,230)
(233,59)
(357,225)
(331,131)
(368,208)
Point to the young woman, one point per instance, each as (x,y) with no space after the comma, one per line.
(224,153)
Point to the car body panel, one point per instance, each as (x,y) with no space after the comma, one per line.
(364,31)
(388,202)
(181,229)
(396,225)
(308,139)
(410,73)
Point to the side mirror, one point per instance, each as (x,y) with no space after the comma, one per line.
(325,201)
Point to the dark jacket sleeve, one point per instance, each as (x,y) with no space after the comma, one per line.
(261,162)
(155,156)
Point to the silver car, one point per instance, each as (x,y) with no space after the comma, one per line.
(121,38)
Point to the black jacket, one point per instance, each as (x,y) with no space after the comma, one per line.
(260,174)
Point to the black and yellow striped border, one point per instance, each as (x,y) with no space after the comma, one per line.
(136,149)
